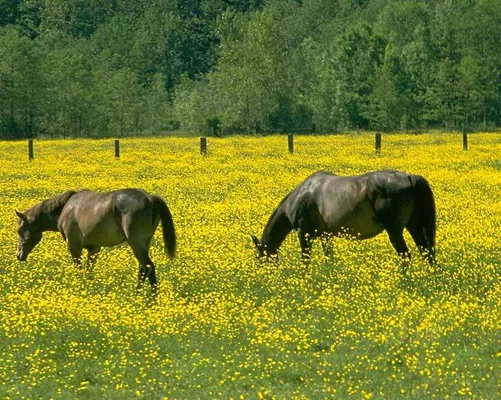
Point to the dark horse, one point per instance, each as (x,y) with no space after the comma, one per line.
(90,220)
(361,206)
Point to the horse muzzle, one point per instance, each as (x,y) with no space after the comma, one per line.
(21,256)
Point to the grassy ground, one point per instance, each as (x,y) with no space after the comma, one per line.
(227,326)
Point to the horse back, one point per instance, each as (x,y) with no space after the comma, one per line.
(101,219)
(327,203)
(359,205)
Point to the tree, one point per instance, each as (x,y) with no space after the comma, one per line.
(69,106)
(9,12)
(359,55)
(442,99)
(101,67)
(385,108)
(21,85)
(250,78)
(73,18)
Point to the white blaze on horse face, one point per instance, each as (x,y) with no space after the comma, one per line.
(21,232)
(21,252)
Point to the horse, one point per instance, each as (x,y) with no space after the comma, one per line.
(91,220)
(360,206)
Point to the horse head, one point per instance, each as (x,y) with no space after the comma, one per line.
(260,253)
(263,251)
(29,236)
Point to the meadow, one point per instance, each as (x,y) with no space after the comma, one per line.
(228,326)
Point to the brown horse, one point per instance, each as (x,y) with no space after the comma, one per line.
(361,206)
(90,220)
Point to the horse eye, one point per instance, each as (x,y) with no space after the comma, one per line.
(25,232)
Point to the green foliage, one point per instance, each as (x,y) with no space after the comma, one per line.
(73,68)
(20,84)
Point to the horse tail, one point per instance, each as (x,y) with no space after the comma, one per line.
(423,223)
(168,230)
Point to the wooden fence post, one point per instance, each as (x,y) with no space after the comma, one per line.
(378,142)
(117,148)
(203,145)
(290,138)
(30,150)
(465,139)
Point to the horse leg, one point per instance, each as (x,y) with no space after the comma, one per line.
(152,277)
(310,226)
(75,249)
(93,252)
(422,243)
(389,214)
(146,267)
(305,243)
(148,270)
(398,242)
(327,245)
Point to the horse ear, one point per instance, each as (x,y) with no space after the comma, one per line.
(21,215)
(256,241)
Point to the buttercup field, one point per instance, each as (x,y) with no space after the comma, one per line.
(226,325)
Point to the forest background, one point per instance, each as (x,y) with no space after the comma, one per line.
(101,68)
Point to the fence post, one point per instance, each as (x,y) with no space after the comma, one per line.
(465,139)
(203,145)
(117,148)
(30,150)
(313,128)
(378,142)
(290,138)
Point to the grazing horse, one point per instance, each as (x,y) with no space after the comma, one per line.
(90,220)
(361,206)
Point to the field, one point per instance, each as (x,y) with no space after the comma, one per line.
(228,326)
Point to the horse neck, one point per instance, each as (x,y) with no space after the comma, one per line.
(46,214)
(46,221)
(276,230)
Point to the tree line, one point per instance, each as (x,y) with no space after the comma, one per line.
(116,67)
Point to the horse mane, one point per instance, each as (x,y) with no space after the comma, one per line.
(54,204)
